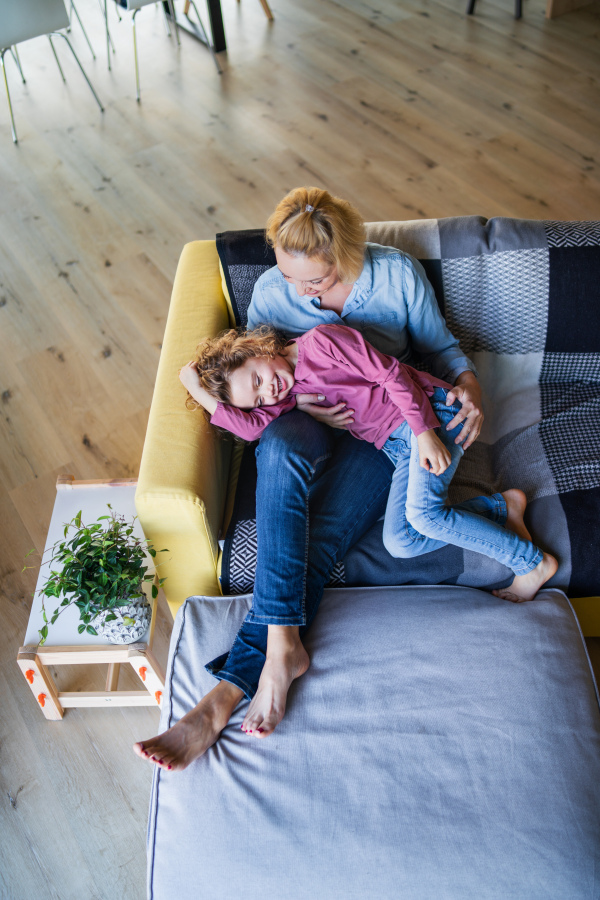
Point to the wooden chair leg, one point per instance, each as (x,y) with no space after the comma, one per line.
(267,10)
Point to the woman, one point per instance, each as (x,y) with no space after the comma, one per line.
(306,460)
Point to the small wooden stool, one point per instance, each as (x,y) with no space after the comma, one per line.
(64,646)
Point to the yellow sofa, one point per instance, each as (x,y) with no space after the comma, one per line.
(182,486)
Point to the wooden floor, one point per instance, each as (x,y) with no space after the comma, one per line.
(409,109)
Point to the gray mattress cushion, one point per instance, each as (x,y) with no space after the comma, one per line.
(444,744)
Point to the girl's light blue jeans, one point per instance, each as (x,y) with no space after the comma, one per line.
(418,518)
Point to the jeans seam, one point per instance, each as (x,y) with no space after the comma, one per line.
(274,620)
(307,535)
(312,469)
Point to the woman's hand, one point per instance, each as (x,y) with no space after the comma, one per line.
(468,392)
(190,379)
(337,416)
(433,456)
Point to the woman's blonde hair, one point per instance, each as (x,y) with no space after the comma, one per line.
(310,222)
(216,358)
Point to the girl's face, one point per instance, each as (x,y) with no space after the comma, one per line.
(261,382)
(310,276)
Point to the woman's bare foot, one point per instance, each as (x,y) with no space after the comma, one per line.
(195,732)
(286,660)
(516,503)
(525,587)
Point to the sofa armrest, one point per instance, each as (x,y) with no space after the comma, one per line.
(184,470)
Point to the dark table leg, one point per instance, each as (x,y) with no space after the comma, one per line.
(216,24)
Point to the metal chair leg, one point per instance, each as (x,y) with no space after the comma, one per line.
(206,40)
(62,74)
(471,8)
(90,85)
(15,56)
(74,9)
(109,40)
(174,18)
(10,109)
(135,56)
(166,19)
(518,9)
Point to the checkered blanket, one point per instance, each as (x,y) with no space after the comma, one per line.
(523,297)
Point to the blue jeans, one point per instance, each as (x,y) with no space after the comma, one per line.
(418,518)
(318,492)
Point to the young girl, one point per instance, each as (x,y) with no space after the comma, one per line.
(245,380)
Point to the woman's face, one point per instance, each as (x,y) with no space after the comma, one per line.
(261,382)
(310,276)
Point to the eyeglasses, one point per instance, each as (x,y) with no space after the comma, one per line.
(314,283)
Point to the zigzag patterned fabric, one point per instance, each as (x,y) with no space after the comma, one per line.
(523,298)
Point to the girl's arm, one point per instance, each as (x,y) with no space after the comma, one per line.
(190,379)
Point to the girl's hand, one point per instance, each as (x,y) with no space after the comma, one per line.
(337,416)
(190,379)
(433,456)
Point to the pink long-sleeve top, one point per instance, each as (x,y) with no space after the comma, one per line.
(336,361)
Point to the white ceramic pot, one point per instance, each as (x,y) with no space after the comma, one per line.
(131,623)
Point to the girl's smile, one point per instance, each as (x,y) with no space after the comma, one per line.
(261,381)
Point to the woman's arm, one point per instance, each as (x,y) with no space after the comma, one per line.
(432,338)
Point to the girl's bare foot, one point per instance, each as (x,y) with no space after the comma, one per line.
(516,502)
(525,587)
(195,732)
(286,660)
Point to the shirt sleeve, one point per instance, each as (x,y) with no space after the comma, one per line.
(249,424)
(429,334)
(349,348)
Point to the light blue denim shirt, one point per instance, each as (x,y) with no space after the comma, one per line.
(392,304)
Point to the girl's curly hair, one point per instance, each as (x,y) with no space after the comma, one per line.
(216,358)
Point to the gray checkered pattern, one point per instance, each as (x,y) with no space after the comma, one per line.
(570,367)
(498,302)
(243,279)
(242,567)
(496,284)
(573,234)
(571,440)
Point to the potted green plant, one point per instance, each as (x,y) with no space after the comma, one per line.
(101,569)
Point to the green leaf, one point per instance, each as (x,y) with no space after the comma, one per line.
(91,630)
(127,620)
(154,592)
(152,552)
(81,628)
(44,632)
